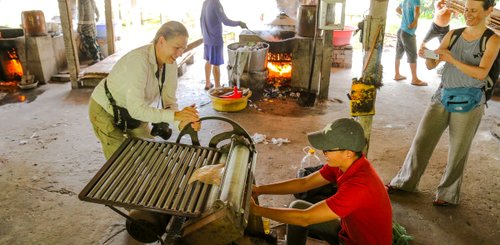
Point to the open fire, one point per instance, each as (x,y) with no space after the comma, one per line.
(280,69)
(12,69)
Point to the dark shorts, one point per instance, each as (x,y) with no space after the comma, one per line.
(214,54)
(406,44)
(436,31)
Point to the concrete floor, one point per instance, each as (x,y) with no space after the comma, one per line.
(48,153)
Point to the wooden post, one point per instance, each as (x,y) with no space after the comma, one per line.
(326,65)
(110,31)
(69,42)
(373,31)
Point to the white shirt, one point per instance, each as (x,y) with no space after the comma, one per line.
(133,85)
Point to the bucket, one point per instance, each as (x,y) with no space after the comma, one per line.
(343,37)
(34,23)
(228,104)
(258,59)
(306,19)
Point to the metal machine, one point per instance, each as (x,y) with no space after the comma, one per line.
(150,180)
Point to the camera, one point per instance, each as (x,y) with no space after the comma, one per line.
(161,129)
(429,54)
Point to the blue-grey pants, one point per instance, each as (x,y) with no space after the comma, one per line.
(406,43)
(327,231)
(462,128)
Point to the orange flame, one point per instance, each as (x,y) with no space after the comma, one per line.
(280,69)
(13,67)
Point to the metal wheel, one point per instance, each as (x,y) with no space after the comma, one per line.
(237,130)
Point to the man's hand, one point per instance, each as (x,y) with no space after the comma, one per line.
(195,125)
(413,25)
(421,51)
(243,25)
(254,207)
(189,114)
(444,55)
(399,10)
(255,191)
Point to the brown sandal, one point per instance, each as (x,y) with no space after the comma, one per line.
(391,189)
(440,203)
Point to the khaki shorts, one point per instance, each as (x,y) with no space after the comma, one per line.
(110,136)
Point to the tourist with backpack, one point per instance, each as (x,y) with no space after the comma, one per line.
(458,104)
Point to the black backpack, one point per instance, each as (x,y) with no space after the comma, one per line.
(495,68)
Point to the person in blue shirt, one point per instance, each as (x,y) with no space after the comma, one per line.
(212,18)
(407,41)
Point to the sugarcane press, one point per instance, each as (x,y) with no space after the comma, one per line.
(147,183)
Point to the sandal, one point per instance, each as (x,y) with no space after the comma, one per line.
(440,203)
(391,189)
(211,86)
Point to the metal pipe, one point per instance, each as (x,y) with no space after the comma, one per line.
(167,187)
(154,176)
(232,187)
(102,185)
(121,171)
(158,185)
(143,173)
(126,183)
(178,176)
(214,191)
(189,194)
(182,192)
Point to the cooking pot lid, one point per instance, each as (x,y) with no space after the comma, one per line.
(283,20)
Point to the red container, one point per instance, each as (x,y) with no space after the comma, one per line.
(343,37)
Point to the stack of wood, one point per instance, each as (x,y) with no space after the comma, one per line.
(456,5)
(493,21)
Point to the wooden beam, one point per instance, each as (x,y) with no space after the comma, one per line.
(374,29)
(326,65)
(69,42)
(110,31)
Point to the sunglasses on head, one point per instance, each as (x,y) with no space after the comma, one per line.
(326,151)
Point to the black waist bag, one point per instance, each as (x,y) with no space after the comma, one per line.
(318,194)
(122,118)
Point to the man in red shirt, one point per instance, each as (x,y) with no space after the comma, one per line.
(358,213)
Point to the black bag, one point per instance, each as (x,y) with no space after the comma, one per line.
(318,194)
(122,118)
(495,68)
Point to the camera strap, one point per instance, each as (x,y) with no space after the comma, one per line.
(161,81)
(108,94)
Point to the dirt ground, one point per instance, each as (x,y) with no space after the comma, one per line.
(48,153)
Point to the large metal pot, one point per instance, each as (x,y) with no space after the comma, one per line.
(34,23)
(258,58)
(306,18)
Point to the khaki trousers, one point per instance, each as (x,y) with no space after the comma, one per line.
(462,128)
(110,136)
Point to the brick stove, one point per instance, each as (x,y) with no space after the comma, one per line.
(287,47)
(43,56)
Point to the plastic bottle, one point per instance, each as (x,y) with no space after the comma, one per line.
(309,160)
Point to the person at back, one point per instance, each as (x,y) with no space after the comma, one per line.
(440,23)
(212,18)
(465,75)
(88,15)
(407,40)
